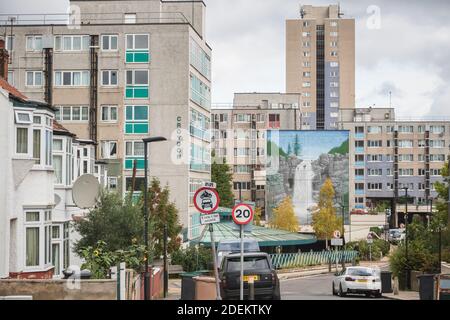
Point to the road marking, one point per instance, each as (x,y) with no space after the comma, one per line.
(307,277)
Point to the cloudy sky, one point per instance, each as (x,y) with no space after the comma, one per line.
(405,52)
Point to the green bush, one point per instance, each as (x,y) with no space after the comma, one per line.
(379,248)
(193,258)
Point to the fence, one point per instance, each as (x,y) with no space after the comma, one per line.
(303,259)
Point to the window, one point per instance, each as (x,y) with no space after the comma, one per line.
(333,74)
(333,44)
(437,129)
(11,77)
(334,94)
(307,74)
(9,43)
(306,34)
(72,43)
(109,42)
(374,143)
(334,53)
(375,186)
(23,117)
(306,53)
(137,48)
(374,129)
(57,166)
(137,84)
(199,59)
(405,143)
(274,121)
(241,185)
(375,172)
(241,152)
(333,34)
(374,157)
(405,157)
(306,44)
(421,143)
(112,183)
(34,43)
(38,236)
(306,104)
(200,92)
(136,120)
(108,149)
(130,18)
(34,78)
(437,143)
(72,113)
(333,23)
(406,129)
(242,169)
(72,78)
(109,78)
(306,84)
(437,157)
(306,64)
(305,23)
(134,151)
(359,144)
(406,172)
(37,145)
(334,64)
(109,113)
(334,84)
(22,141)
(436,172)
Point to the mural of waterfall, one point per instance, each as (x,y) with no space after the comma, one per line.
(303,191)
(299,162)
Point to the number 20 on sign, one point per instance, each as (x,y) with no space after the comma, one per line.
(242,214)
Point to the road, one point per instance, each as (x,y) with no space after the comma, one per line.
(313,288)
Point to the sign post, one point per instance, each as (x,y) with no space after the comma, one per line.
(369,242)
(207,200)
(337,241)
(242,214)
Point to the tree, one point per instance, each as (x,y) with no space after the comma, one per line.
(222,176)
(297,147)
(284,217)
(162,213)
(324,219)
(257,218)
(119,223)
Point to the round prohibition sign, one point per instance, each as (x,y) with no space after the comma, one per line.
(206,200)
(242,214)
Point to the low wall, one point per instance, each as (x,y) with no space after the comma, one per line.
(60,289)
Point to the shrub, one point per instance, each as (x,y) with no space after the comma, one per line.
(193,258)
(379,248)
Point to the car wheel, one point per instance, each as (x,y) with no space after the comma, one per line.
(341,292)
(378,295)
(368,294)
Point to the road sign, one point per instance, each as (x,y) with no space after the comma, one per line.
(211,185)
(337,234)
(210,218)
(242,214)
(206,200)
(337,242)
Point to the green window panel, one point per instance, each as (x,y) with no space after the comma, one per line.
(129,163)
(135,56)
(136,128)
(136,92)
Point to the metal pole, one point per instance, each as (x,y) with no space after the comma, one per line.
(336,250)
(146,274)
(251,288)
(370,252)
(216,270)
(241,294)
(166,265)
(440,250)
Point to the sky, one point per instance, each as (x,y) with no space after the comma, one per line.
(402,47)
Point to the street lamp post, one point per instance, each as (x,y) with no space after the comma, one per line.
(146,274)
(408,285)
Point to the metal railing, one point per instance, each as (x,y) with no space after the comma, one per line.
(303,259)
(15,19)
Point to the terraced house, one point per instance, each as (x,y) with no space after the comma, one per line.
(121,71)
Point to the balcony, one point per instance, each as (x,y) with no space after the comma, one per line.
(359,136)
(360,192)
(359,149)
(360,164)
(359,178)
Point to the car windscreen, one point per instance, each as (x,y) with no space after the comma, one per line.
(360,272)
(236,246)
(249,263)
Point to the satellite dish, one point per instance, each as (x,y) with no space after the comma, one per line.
(57,199)
(85,191)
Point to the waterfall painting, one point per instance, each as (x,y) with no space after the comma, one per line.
(299,162)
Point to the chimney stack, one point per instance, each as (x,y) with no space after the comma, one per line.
(4,60)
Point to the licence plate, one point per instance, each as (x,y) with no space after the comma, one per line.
(361,280)
(247,278)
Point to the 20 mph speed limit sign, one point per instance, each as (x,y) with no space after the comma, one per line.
(242,214)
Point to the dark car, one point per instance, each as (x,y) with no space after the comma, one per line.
(256,265)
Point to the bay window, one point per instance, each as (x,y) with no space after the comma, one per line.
(38,238)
